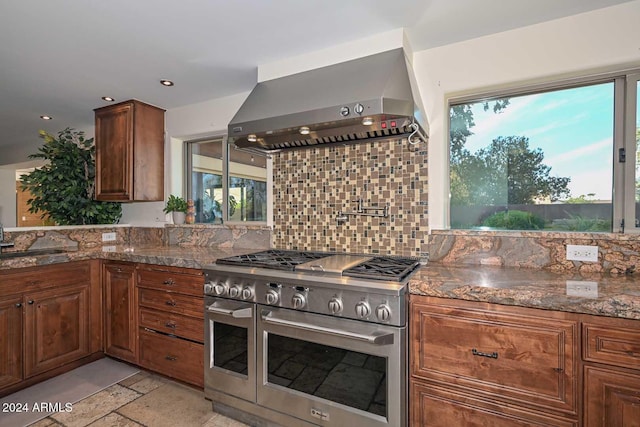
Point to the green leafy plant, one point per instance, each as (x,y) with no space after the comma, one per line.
(175,204)
(64,187)
(514,220)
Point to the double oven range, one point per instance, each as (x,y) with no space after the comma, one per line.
(308,338)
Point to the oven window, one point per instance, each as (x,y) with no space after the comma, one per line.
(354,379)
(230,347)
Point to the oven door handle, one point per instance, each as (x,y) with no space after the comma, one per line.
(237,313)
(378,338)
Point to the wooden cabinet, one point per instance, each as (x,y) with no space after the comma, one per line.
(121,305)
(171,316)
(611,351)
(501,364)
(56,328)
(129,152)
(50,321)
(10,341)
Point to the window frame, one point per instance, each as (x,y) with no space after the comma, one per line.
(188,169)
(625,105)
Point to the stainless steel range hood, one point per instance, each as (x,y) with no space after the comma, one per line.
(370,98)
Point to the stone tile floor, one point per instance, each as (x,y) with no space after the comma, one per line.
(144,399)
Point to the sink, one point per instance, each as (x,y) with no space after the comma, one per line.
(33,252)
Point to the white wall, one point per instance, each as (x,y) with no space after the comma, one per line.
(8,197)
(579,45)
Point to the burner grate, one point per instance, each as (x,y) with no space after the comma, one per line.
(383,268)
(273,259)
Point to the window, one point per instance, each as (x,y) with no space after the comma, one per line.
(247,188)
(545,159)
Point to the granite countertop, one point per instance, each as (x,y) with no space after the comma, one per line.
(176,256)
(598,294)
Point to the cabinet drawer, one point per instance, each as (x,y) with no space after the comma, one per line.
(176,324)
(435,407)
(616,343)
(31,279)
(171,356)
(504,354)
(173,302)
(182,280)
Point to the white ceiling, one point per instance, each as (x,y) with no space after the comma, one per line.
(59,57)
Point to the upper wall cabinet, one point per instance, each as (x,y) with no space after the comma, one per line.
(129,152)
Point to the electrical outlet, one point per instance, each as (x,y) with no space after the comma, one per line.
(579,288)
(582,253)
(109,237)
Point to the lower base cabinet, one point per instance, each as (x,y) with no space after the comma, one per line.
(50,321)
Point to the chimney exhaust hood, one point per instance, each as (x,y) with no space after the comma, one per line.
(366,99)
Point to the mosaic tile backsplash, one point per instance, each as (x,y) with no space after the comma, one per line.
(311,186)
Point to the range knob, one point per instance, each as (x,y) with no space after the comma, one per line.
(272,296)
(362,309)
(358,108)
(383,312)
(220,288)
(247,293)
(335,305)
(344,111)
(298,301)
(234,291)
(208,288)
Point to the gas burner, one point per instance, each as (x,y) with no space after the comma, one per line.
(274,259)
(383,268)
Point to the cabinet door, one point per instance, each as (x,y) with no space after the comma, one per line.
(121,339)
(56,327)
(114,153)
(612,398)
(10,341)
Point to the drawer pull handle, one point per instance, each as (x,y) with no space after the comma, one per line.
(493,355)
(170,325)
(169,282)
(171,358)
(558,370)
(171,303)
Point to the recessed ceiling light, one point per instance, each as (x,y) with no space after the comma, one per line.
(252,138)
(166,82)
(108,99)
(367,121)
(304,130)
(46,117)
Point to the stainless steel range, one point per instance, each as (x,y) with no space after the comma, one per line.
(308,338)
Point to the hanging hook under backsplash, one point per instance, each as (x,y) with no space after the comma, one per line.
(416,131)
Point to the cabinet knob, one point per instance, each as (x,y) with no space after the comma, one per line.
(30,302)
(170,325)
(171,358)
(169,282)
(171,303)
(18,305)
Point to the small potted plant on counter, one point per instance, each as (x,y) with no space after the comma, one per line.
(178,208)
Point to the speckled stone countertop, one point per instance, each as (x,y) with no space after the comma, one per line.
(599,294)
(177,256)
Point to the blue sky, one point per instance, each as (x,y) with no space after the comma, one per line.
(573,127)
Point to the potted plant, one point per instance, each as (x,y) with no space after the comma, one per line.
(178,208)
(63,189)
